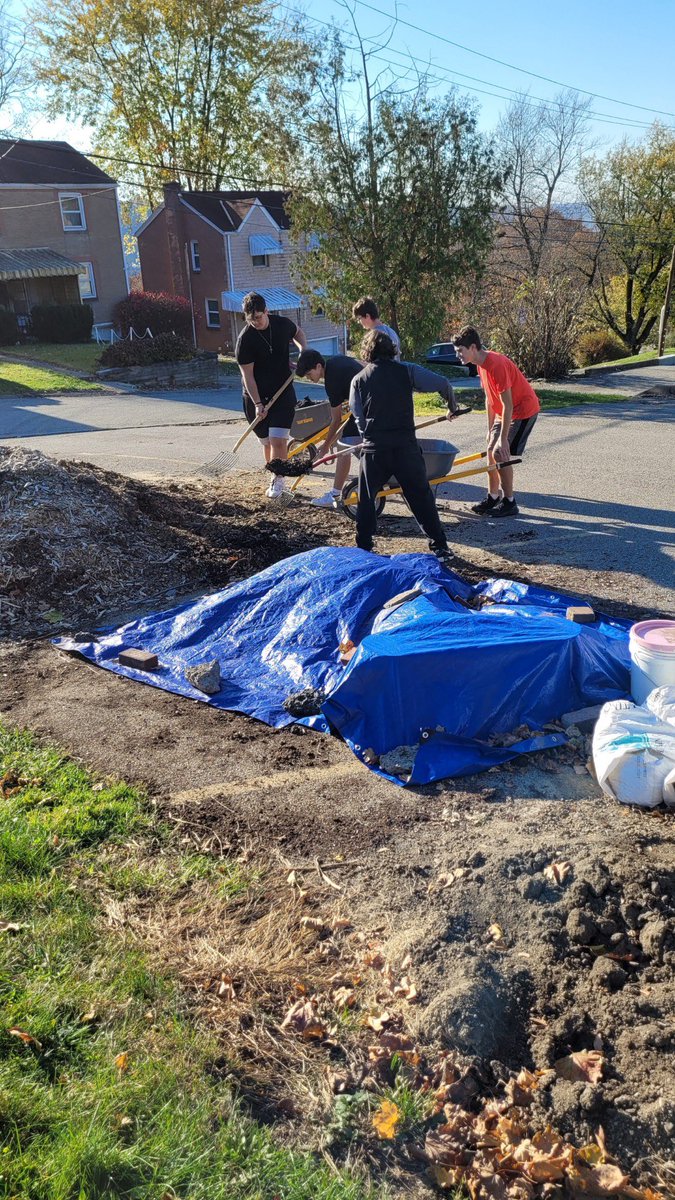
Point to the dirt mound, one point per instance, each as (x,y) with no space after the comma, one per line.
(78,543)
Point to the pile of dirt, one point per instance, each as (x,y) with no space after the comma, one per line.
(78,544)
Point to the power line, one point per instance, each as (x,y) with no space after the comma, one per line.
(454,76)
(511,66)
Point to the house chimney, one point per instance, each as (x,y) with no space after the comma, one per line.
(175,238)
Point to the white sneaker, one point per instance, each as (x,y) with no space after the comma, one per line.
(329,500)
(276,489)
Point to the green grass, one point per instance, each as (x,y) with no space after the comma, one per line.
(77,356)
(17,379)
(633,358)
(430,403)
(75,1124)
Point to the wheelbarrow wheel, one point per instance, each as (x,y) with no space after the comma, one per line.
(294,446)
(350,509)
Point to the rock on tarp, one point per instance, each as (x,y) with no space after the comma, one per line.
(431,666)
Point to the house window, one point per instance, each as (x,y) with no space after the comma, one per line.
(86,281)
(213,314)
(72,211)
(260,260)
(318,312)
(196,260)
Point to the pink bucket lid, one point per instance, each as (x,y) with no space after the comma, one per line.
(656,635)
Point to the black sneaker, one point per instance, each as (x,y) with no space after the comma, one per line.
(486,506)
(445,556)
(505,508)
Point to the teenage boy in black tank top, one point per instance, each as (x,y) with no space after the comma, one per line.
(262,354)
(381,399)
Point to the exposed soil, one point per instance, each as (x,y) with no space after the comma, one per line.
(514,969)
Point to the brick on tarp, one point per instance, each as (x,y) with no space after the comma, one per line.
(140,660)
(583,718)
(580,614)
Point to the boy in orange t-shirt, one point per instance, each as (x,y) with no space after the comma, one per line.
(512,408)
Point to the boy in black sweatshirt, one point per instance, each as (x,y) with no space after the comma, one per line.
(381,399)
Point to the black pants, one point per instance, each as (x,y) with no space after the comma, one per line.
(406,463)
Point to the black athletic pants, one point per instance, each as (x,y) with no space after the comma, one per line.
(406,463)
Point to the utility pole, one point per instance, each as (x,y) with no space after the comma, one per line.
(666,305)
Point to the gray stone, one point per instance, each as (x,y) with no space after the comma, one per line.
(205,677)
(583,718)
(581,927)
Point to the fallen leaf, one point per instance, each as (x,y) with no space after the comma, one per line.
(557,872)
(583,1067)
(447,879)
(406,990)
(379,1021)
(122,1062)
(591,1154)
(496,932)
(304,1019)
(447,1177)
(226,988)
(386,1119)
(600,1139)
(604,1180)
(12,926)
(544,1158)
(312,923)
(344,997)
(25,1037)
(519,1091)
(396,1042)
(89,1016)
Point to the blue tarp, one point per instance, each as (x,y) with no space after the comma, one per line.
(430,672)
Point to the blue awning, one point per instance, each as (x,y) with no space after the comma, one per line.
(277,299)
(264,243)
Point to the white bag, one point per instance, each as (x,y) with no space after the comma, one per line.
(634,754)
(661,702)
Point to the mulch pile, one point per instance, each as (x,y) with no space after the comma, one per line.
(79,544)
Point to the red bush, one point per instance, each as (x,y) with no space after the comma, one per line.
(140,352)
(157,311)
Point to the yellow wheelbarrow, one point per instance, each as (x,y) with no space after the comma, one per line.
(310,426)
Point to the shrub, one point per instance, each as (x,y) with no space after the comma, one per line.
(157,311)
(9,332)
(600,345)
(166,347)
(62,322)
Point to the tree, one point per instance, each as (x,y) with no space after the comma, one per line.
(631,195)
(14,73)
(193,91)
(394,196)
(534,294)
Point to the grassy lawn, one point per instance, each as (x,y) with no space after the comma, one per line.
(632,359)
(108,1084)
(16,379)
(429,403)
(78,356)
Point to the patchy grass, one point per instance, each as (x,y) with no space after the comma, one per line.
(430,403)
(108,1084)
(227,365)
(18,379)
(75,356)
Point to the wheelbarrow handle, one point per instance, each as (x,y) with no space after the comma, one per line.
(460,412)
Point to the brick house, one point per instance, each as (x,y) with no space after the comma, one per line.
(213,248)
(60,232)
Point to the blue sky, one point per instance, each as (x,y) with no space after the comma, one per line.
(620,50)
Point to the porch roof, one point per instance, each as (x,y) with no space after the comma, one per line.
(35,262)
(276,299)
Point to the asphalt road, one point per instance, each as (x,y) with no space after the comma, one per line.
(595,489)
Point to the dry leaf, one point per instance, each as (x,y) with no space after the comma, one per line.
(25,1037)
(447,879)
(344,997)
(557,872)
(12,926)
(604,1180)
(583,1067)
(386,1119)
(89,1016)
(304,1019)
(447,1177)
(379,1021)
(600,1139)
(396,1042)
(406,990)
(591,1154)
(122,1062)
(312,923)
(496,932)
(226,988)
(544,1158)
(519,1091)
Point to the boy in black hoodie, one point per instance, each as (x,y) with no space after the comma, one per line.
(381,399)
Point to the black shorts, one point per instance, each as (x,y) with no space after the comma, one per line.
(280,415)
(350,429)
(519,432)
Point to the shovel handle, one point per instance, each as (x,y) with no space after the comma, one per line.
(460,412)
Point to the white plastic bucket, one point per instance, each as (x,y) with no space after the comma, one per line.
(652,652)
